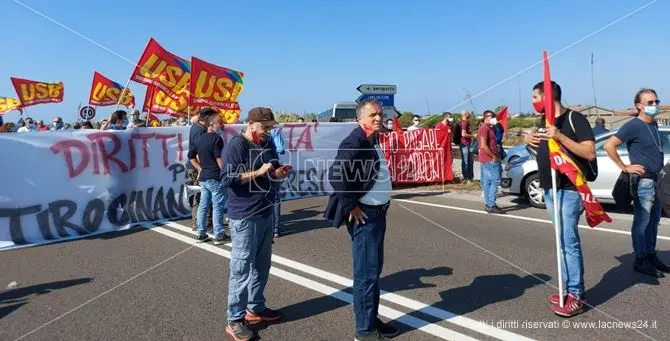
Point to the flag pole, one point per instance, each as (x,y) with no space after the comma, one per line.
(557,229)
(123,92)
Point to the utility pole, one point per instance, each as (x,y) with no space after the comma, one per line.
(468,97)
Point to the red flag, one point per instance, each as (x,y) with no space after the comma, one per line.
(502,118)
(396,124)
(563,164)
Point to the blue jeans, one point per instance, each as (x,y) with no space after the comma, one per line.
(490,180)
(211,193)
(249,264)
(646,216)
(571,208)
(367,243)
(466,162)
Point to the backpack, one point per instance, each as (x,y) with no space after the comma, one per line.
(456,128)
(592,173)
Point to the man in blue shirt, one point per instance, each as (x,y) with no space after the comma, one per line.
(280,149)
(645,151)
(248,174)
(600,127)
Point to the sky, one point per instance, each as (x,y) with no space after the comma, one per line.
(304,56)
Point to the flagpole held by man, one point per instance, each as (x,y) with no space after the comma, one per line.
(566,161)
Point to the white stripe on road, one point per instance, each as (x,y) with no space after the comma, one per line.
(430,328)
(537,220)
(414,305)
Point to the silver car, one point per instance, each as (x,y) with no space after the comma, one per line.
(520,175)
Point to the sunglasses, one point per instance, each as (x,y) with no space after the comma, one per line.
(655,102)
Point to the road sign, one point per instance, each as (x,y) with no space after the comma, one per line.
(385,100)
(87,113)
(377,89)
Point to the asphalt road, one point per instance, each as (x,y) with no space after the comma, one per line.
(452,272)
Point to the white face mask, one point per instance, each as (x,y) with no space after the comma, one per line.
(450,120)
(493,121)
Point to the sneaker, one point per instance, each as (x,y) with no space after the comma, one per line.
(386,329)
(495,210)
(553,299)
(202,238)
(374,336)
(656,263)
(276,235)
(644,266)
(239,330)
(267,315)
(571,307)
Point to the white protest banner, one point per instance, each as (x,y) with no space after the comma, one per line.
(70,184)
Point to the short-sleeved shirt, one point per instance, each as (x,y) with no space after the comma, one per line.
(193,135)
(487,132)
(208,150)
(465,141)
(645,144)
(582,132)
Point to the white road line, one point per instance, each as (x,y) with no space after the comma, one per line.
(414,305)
(537,220)
(430,328)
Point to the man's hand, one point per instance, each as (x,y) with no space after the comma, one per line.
(552,131)
(358,215)
(265,168)
(533,139)
(634,169)
(283,171)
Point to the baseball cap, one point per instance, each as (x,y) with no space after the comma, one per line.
(262,115)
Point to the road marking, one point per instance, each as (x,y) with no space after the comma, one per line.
(430,328)
(414,305)
(537,220)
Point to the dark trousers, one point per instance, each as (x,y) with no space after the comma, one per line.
(367,243)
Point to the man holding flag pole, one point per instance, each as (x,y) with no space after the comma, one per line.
(566,161)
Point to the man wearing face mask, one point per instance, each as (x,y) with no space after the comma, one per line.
(416,123)
(248,173)
(573,131)
(362,192)
(118,121)
(645,151)
(389,125)
(489,158)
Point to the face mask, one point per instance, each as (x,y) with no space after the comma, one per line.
(219,131)
(651,110)
(389,126)
(258,138)
(450,120)
(183,123)
(493,121)
(539,107)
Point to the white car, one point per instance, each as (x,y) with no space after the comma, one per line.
(520,176)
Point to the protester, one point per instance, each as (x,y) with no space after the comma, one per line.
(389,125)
(301,120)
(645,152)
(416,123)
(87,125)
(600,127)
(280,149)
(117,121)
(58,123)
(206,159)
(247,173)
(489,158)
(26,126)
(197,129)
(362,191)
(467,162)
(573,132)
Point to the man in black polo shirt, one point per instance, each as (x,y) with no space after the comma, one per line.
(573,131)
(197,130)
(645,151)
(248,174)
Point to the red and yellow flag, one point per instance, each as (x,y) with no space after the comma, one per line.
(105,91)
(562,163)
(33,92)
(8,104)
(160,68)
(213,85)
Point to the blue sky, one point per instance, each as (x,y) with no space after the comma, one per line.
(303,56)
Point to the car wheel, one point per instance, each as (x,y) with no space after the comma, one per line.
(533,192)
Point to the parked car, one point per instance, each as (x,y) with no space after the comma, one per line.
(520,175)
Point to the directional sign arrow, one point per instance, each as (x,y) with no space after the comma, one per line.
(378,89)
